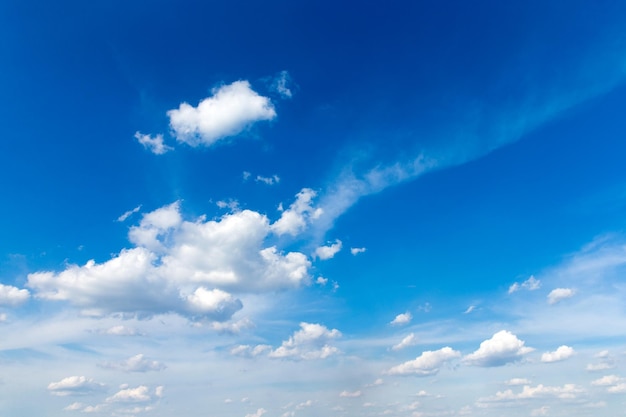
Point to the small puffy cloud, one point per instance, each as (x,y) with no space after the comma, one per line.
(562,353)
(137,363)
(129,213)
(328,252)
(121,331)
(321,281)
(75,385)
(310,342)
(74,407)
(299,214)
(350,394)
(517,381)
(139,394)
(274,179)
(231,109)
(12,296)
(259,412)
(531,284)
(428,363)
(409,340)
(560,294)
(401,319)
(356,251)
(153,144)
(607,380)
(503,347)
(282,84)
(217,304)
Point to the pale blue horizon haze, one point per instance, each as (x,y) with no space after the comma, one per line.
(306,208)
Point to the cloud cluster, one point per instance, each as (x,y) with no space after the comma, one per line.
(299,214)
(192,268)
(567,391)
(562,353)
(230,110)
(137,363)
(329,251)
(75,385)
(531,284)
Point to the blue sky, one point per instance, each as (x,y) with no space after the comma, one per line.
(304,208)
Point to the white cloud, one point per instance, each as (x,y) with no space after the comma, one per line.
(121,331)
(502,348)
(259,412)
(274,179)
(129,213)
(617,389)
(356,251)
(469,309)
(560,294)
(75,385)
(281,84)
(74,407)
(12,296)
(531,284)
(350,394)
(562,353)
(187,267)
(602,366)
(230,110)
(607,380)
(310,342)
(137,363)
(131,395)
(517,381)
(299,214)
(401,319)
(153,144)
(328,252)
(428,363)
(567,391)
(321,281)
(250,351)
(409,340)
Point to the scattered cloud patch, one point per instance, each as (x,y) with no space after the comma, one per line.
(258,413)
(129,213)
(274,179)
(517,381)
(356,251)
(401,319)
(328,252)
(531,284)
(562,353)
(409,340)
(231,109)
(139,394)
(250,351)
(350,394)
(310,342)
(428,363)
(12,296)
(282,84)
(560,294)
(154,144)
(75,385)
(137,363)
(608,380)
(503,347)
(567,391)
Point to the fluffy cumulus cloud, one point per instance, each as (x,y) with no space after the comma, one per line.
(329,251)
(560,294)
(140,394)
(192,268)
(299,214)
(75,385)
(231,109)
(562,353)
(531,284)
(356,251)
(503,347)
(401,319)
(153,144)
(312,341)
(137,363)
(428,363)
(258,413)
(12,296)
